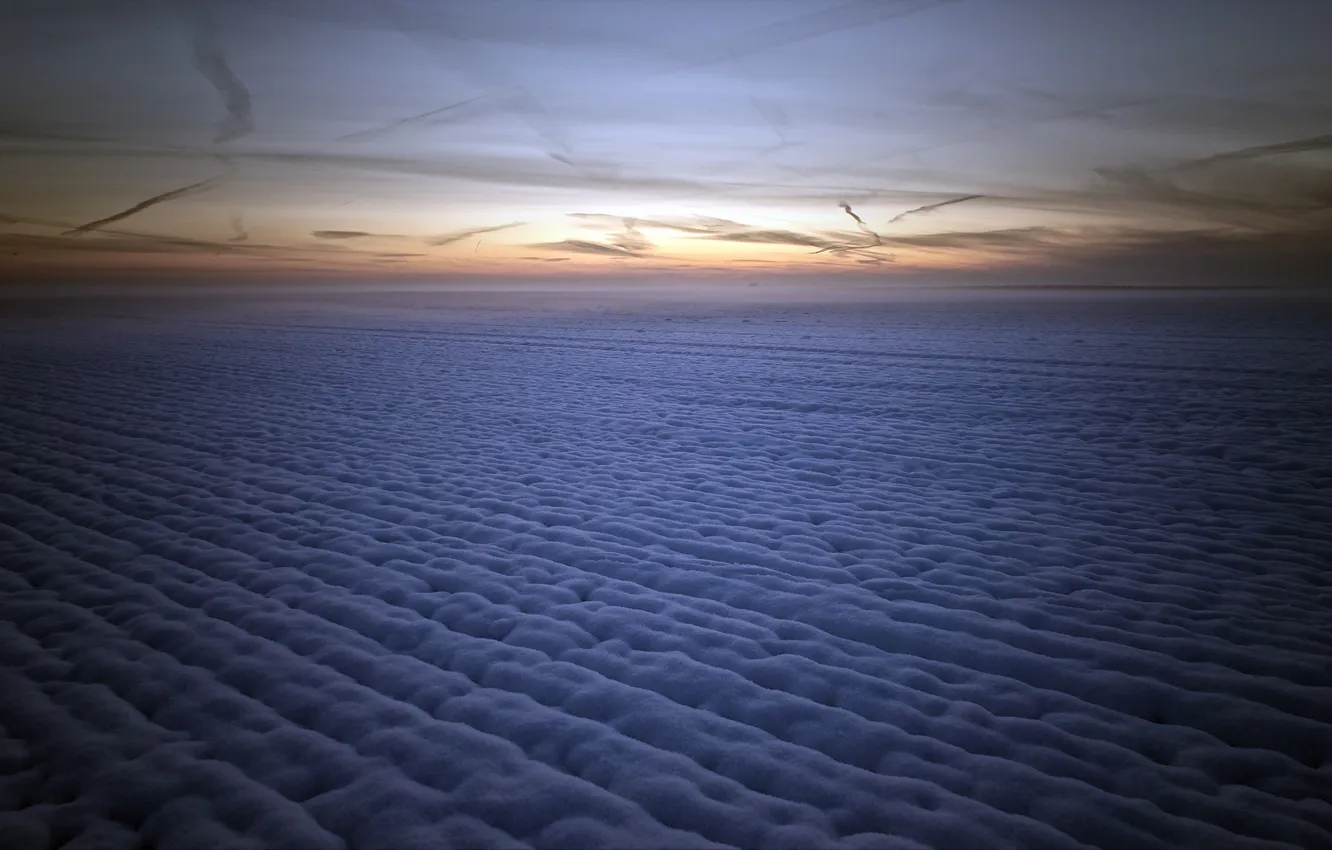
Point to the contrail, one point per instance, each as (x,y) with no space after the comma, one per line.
(851,15)
(490,77)
(859,221)
(864,228)
(422,118)
(932,207)
(450,238)
(773,115)
(582,246)
(341,234)
(1314,143)
(631,240)
(878,240)
(193,188)
(128,237)
(212,63)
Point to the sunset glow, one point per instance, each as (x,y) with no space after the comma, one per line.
(1124,143)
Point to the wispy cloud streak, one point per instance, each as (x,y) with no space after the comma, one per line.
(862,251)
(493,80)
(183,191)
(582,246)
(212,63)
(927,208)
(450,238)
(123,241)
(429,117)
(340,235)
(774,237)
(1309,145)
(238,227)
(631,239)
(801,28)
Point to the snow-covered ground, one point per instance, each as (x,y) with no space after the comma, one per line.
(381,573)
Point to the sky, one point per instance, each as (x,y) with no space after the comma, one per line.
(1075,142)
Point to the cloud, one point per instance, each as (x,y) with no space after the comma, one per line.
(846,208)
(581,246)
(690,224)
(183,191)
(631,240)
(598,218)
(927,208)
(699,224)
(776,119)
(107,244)
(1307,145)
(727,230)
(117,241)
(450,238)
(1209,257)
(1249,195)
(1153,148)
(1009,239)
(518,171)
(341,234)
(848,247)
(36,134)
(626,241)
(800,28)
(1118,256)
(486,169)
(430,117)
(238,227)
(771,237)
(212,63)
(959,117)
(477,68)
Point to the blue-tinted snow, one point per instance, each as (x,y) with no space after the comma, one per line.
(1016,573)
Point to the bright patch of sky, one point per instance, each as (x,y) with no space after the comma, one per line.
(1070,141)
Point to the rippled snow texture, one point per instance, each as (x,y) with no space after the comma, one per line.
(990,575)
